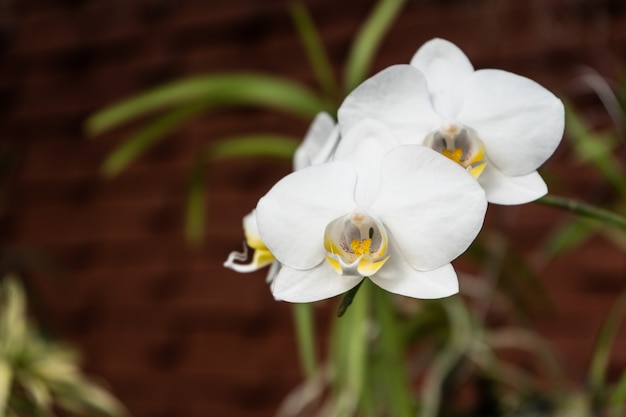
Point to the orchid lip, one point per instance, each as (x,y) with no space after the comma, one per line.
(261,255)
(460,144)
(356,244)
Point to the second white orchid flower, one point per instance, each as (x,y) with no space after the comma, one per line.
(498,125)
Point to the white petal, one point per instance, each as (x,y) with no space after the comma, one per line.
(318,142)
(310,285)
(446,68)
(272,272)
(508,190)
(364,147)
(520,122)
(294,213)
(398,277)
(398,97)
(430,205)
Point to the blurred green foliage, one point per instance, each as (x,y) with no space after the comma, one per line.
(38,376)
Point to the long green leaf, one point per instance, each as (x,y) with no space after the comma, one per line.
(618,397)
(275,145)
(368,40)
(394,376)
(139,143)
(595,148)
(196,204)
(568,236)
(600,359)
(315,49)
(223,89)
(6,378)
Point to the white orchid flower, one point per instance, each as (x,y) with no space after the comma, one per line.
(398,214)
(317,146)
(498,125)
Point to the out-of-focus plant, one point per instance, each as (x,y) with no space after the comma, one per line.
(38,376)
(180,101)
(390,356)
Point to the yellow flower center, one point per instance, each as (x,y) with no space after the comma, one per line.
(361,247)
(355,244)
(460,144)
(455,155)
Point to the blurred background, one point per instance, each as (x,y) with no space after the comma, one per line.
(105,262)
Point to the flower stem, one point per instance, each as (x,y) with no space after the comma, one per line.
(586,210)
(393,376)
(349,353)
(303,315)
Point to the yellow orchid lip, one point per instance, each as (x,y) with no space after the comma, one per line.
(261,256)
(355,244)
(460,144)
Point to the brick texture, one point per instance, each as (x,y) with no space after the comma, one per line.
(172,332)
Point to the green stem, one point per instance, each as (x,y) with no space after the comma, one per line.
(391,347)
(584,209)
(349,354)
(303,315)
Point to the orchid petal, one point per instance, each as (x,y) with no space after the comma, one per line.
(520,122)
(260,259)
(273,270)
(251,231)
(294,213)
(396,96)
(364,147)
(429,204)
(310,285)
(318,142)
(508,190)
(446,68)
(398,277)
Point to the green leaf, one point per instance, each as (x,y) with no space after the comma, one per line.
(139,143)
(600,358)
(254,145)
(6,378)
(86,397)
(273,145)
(368,40)
(568,236)
(618,397)
(595,148)
(347,299)
(220,89)
(393,370)
(196,202)
(315,49)
(38,392)
(13,326)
